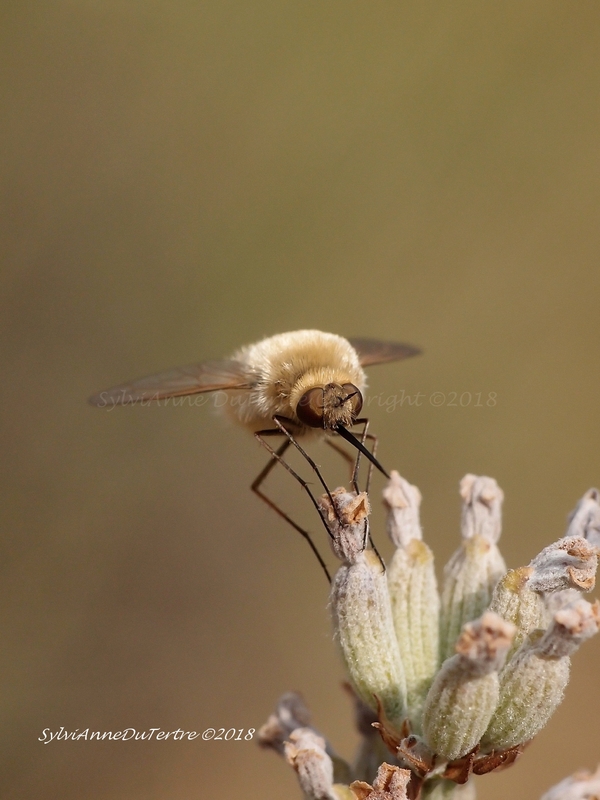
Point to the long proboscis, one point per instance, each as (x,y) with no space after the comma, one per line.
(349,437)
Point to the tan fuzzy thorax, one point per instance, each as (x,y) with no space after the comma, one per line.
(285,366)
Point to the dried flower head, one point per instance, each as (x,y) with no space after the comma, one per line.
(390,784)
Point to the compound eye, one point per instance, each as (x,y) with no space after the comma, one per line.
(354,398)
(310,408)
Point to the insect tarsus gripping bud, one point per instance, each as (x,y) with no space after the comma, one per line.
(361,610)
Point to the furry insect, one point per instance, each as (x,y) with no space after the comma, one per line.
(306,383)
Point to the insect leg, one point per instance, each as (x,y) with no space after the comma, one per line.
(365,435)
(374,440)
(278,420)
(354,461)
(277,457)
(350,437)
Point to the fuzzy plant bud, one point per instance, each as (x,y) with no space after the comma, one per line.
(473,571)
(584,520)
(528,596)
(516,602)
(533,682)
(361,610)
(569,563)
(465,692)
(305,752)
(413,592)
(390,784)
(583,785)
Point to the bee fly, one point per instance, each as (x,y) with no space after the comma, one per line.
(305,383)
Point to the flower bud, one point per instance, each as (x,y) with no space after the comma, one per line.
(533,682)
(361,609)
(473,571)
(413,593)
(569,563)
(584,520)
(465,692)
(515,602)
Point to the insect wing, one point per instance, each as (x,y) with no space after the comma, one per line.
(374,351)
(208,376)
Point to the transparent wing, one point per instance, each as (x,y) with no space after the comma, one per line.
(374,351)
(208,376)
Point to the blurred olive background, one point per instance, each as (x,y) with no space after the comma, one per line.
(182,178)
